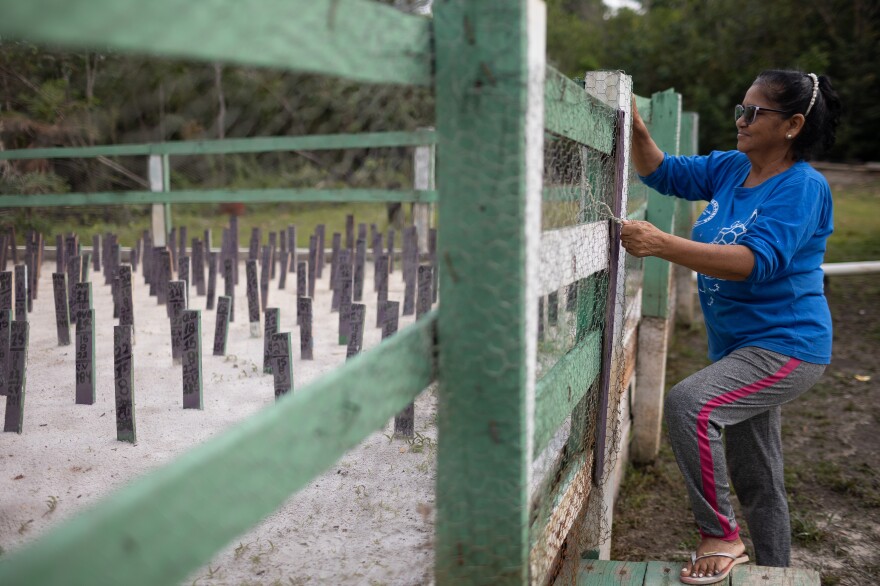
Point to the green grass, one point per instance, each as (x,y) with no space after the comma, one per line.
(129,222)
(856,224)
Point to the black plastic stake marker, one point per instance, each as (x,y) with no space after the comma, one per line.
(126,299)
(6,290)
(212,280)
(356,339)
(123,378)
(85,356)
(229,285)
(313,264)
(5,328)
(62,308)
(282,275)
(302,286)
(221,331)
(345,289)
(359,266)
(21,292)
(270,328)
(306,341)
(253,297)
(425,293)
(192,359)
(177,304)
(18,348)
(282,364)
(381,288)
(404,422)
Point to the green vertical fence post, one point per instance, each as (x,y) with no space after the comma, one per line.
(490,87)
(664,127)
(684,219)
(654,327)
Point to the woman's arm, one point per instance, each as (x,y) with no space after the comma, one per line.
(646,156)
(731,262)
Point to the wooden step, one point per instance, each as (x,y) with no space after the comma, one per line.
(610,573)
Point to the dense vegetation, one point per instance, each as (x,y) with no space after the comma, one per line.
(711,52)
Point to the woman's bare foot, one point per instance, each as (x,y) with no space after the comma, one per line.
(713,565)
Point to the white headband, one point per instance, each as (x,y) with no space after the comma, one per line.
(815,79)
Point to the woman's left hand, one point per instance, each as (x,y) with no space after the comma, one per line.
(641,238)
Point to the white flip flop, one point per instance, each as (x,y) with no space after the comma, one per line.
(734,561)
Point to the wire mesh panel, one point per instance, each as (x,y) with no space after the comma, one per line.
(580,344)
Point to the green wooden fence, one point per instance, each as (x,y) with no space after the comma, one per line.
(495,99)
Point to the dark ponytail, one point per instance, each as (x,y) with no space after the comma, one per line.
(792,91)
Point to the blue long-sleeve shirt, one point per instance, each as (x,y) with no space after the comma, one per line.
(785,221)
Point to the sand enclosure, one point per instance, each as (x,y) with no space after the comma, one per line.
(368,520)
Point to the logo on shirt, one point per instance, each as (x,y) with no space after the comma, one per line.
(731,234)
(709,213)
(727,235)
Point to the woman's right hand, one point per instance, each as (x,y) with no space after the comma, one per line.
(646,156)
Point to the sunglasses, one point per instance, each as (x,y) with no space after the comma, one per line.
(750,113)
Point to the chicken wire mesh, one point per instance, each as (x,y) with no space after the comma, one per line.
(571,513)
(94,98)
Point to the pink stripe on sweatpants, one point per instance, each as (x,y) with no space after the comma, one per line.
(706,464)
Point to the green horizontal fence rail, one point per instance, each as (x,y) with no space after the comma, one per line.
(573,113)
(143,534)
(331,37)
(218,196)
(222,147)
(226,146)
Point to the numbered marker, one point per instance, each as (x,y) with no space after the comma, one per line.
(192,359)
(18,348)
(270,329)
(5,329)
(306,342)
(356,339)
(62,315)
(282,364)
(253,298)
(221,331)
(123,377)
(85,357)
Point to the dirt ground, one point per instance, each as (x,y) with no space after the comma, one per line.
(832,453)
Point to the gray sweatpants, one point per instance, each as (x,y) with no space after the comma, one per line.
(742,395)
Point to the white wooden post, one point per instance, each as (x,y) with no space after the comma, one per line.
(423,180)
(161,213)
(615,89)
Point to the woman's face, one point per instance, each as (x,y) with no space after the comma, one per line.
(767,133)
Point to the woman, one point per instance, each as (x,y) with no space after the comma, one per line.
(757,249)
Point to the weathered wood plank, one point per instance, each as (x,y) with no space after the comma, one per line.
(666,574)
(570,254)
(144,534)
(557,513)
(560,389)
(608,573)
(331,37)
(574,114)
(262,144)
(217,196)
(747,575)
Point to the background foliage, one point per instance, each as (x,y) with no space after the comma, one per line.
(712,51)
